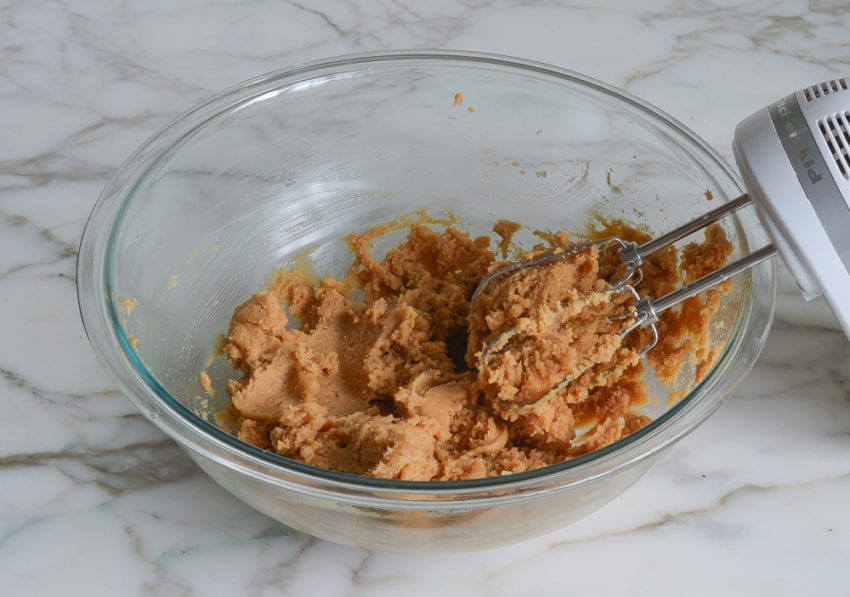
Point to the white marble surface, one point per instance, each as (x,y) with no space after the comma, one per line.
(95,501)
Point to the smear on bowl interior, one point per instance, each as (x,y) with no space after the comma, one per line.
(386,373)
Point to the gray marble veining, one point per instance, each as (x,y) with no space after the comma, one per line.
(95,501)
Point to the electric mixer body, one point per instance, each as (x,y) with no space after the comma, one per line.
(794,157)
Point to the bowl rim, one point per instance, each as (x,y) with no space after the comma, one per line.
(113,349)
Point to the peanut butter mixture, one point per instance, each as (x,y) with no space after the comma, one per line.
(386,372)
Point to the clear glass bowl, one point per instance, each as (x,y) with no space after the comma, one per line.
(284,165)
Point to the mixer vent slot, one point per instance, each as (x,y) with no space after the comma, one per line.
(836,132)
(825,88)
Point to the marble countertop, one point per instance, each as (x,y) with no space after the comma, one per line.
(95,501)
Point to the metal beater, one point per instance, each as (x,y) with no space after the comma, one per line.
(794,157)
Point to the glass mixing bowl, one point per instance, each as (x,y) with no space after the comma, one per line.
(284,165)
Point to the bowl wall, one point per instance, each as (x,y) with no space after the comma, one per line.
(465,527)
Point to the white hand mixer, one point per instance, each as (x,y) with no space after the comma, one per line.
(794,157)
